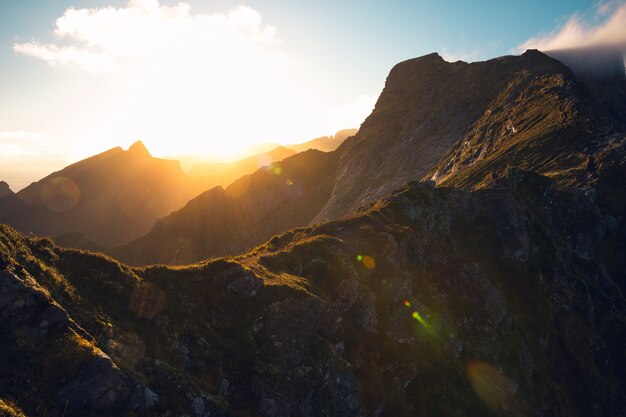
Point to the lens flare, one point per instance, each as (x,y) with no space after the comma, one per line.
(60,193)
(289,182)
(359,258)
(369,262)
(407,303)
(494,388)
(417,316)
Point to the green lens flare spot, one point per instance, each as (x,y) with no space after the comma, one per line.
(359,258)
(277,170)
(417,316)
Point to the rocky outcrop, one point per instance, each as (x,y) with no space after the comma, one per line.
(44,348)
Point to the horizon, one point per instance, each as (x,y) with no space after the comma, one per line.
(80,78)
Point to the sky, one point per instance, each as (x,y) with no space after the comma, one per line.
(78,77)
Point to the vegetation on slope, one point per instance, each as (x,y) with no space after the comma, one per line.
(434,301)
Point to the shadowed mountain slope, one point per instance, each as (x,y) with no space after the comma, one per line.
(506,300)
(455,123)
(249,211)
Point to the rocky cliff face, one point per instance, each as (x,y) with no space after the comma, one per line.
(456,122)
(506,300)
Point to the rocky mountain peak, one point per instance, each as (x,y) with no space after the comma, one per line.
(139,149)
(5,189)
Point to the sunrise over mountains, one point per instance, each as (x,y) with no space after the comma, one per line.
(307,209)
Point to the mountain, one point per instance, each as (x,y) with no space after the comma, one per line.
(324,143)
(505,300)
(223,174)
(5,190)
(453,123)
(227,221)
(457,122)
(111,197)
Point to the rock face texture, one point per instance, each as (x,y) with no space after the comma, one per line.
(455,123)
(452,123)
(507,300)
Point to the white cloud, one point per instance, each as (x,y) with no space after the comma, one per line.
(20,144)
(145,32)
(186,82)
(608,31)
(18,136)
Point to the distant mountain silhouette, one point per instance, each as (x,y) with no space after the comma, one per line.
(223,174)
(325,143)
(251,210)
(111,197)
(455,123)
(5,190)
(115,196)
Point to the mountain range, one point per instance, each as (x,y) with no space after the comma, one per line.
(461,254)
(452,123)
(116,196)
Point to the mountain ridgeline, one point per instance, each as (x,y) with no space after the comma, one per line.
(461,255)
(454,123)
(116,196)
(506,300)
(111,197)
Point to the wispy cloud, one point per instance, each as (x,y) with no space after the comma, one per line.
(608,30)
(20,143)
(19,136)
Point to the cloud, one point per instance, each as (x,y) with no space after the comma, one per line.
(608,31)
(20,143)
(19,136)
(144,32)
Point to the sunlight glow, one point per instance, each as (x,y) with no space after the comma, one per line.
(188,83)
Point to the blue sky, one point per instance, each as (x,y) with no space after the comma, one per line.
(321,64)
